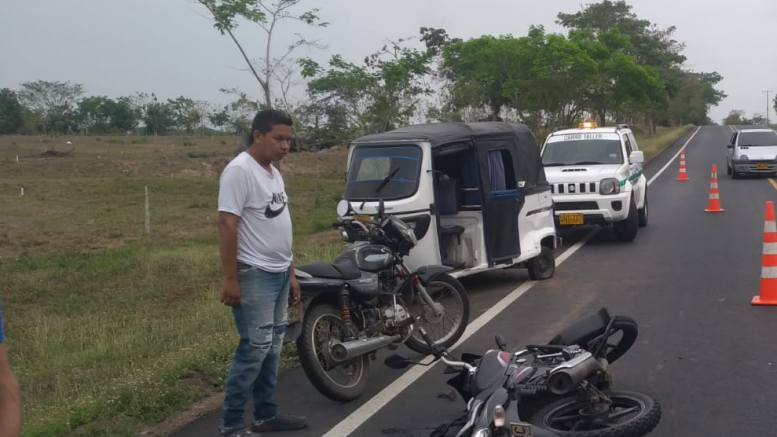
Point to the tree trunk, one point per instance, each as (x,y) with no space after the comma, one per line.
(602,117)
(495,110)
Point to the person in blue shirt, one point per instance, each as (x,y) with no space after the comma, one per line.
(10,397)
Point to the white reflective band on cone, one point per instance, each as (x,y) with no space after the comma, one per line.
(714,196)
(770,248)
(769,272)
(770,226)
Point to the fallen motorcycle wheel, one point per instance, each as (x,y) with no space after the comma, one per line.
(631,414)
(323,324)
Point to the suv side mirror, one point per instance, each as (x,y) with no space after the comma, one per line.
(637,157)
(729,146)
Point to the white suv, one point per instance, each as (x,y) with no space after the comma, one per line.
(596,178)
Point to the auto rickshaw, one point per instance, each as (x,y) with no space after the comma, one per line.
(474,193)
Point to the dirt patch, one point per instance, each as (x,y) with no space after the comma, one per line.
(180,420)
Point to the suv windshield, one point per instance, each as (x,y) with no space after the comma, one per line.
(582,152)
(758,139)
(389,172)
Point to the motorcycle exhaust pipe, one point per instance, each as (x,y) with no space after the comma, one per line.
(566,377)
(354,348)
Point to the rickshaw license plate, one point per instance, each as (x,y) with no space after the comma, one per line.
(761,166)
(364,218)
(571,219)
(520,430)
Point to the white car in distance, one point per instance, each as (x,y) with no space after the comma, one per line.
(752,151)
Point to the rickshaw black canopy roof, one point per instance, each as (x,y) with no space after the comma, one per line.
(440,134)
(517,137)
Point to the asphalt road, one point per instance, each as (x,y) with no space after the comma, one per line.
(704,352)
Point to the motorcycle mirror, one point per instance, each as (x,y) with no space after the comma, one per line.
(396,361)
(343,208)
(500,342)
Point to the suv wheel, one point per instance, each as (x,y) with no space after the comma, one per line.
(626,230)
(643,213)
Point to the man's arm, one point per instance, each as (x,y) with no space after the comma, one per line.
(233,192)
(230,293)
(10,398)
(294,287)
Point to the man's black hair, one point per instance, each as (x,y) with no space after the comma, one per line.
(266,119)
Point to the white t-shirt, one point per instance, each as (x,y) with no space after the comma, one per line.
(264,237)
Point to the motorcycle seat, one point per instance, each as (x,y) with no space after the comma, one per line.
(340,270)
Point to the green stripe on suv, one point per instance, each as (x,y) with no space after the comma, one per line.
(631,178)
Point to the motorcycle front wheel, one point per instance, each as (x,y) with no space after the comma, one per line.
(447,329)
(341,382)
(631,414)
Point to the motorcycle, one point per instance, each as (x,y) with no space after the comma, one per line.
(566,390)
(367,300)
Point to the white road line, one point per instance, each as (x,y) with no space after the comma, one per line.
(363,413)
(671,161)
(391,391)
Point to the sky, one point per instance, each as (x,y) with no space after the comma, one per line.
(169,47)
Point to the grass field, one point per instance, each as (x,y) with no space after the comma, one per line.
(111,328)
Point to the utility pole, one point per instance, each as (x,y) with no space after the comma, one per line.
(767,105)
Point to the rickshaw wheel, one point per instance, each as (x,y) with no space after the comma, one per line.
(543,266)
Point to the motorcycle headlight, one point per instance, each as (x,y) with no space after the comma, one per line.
(609,186)
(499,416)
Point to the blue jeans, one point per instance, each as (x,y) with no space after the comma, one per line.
(260,320)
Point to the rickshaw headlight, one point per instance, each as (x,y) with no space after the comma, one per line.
(609,186)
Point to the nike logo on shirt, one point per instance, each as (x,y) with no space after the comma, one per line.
(277,198)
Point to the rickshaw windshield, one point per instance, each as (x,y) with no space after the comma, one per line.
(388,172)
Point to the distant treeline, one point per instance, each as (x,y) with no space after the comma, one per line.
(611,65)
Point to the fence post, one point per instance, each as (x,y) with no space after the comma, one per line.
(148,218)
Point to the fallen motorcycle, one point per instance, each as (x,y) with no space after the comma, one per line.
(564,391)
(367,300)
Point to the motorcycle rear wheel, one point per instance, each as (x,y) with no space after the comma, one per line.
(564,416)
(311,354)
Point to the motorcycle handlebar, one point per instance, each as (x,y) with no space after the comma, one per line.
(439,353)
(345,222)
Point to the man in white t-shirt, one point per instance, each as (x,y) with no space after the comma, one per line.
(255,244)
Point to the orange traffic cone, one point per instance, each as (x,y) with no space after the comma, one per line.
(714,201)
(683,174)
(768,294)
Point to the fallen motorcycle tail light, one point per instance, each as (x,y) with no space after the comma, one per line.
(499,416)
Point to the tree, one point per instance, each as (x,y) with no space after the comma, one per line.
(621,83)
(650,47)
(126,114)
(158,117)
(267,16)
(734,118)
(758,119)
(480,68)
(96,114)
(51,103)
(775,103)
(558,72)
(11,113)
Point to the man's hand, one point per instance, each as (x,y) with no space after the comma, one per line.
(294,288)
(230,293)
